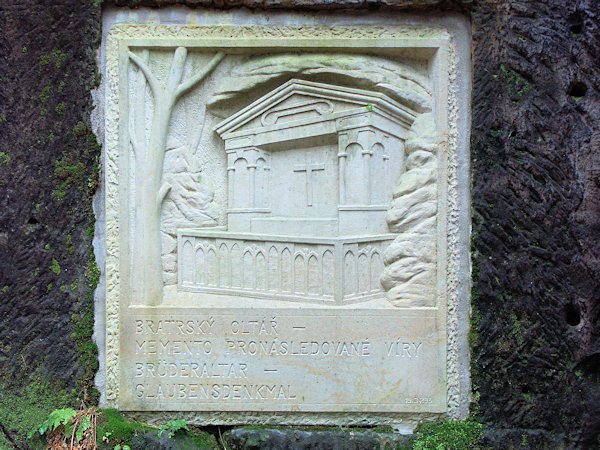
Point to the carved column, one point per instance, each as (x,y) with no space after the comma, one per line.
(366,155)
(231,156)
(252,184)
(386,164)
(342,155)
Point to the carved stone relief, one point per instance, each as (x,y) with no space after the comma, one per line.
(264,211)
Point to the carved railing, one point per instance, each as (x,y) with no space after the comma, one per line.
(318,270)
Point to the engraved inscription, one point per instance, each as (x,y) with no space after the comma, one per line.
(164,369)
(299,348)
(214,391)
(256,357)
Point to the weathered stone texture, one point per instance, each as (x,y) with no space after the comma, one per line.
(535,194)
(536,207)
(47,178)
(290,439)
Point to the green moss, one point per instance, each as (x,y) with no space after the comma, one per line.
(473,336)
(45,94)
(61,86)
(4,158)
(59,193)
(70,247)
(83,326)
(60,108)
(58,56)
(514,83)
(4,443)
(69,172)
(113,427)
(79,129)
(516,324)
(82,337)
(23,409)
(448,435)
(55,267)
(383,429)
(204,440)
(93,274)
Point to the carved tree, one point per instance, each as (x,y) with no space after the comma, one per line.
(149,160)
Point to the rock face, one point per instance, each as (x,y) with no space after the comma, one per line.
(536,190)
(48,175)
(535,216)
(286,438)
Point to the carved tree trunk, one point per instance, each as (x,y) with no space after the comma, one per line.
(150,189)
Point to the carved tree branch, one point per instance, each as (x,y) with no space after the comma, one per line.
(137,129)
(162,193)
(195,79)
(176,72)
(152,81)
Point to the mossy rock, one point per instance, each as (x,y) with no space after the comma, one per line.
(254,438)
(23,410)
(182,440)
(114,428)
(448,435)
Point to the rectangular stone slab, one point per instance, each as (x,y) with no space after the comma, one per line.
(283,360)
(283,234)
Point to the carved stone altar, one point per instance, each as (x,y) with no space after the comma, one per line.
(309,183)
(281,213)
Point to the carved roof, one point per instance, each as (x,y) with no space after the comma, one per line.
(299,99)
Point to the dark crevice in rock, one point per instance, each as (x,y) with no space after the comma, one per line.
(8,436)
(577,89)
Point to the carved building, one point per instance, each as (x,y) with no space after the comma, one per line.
(311,168)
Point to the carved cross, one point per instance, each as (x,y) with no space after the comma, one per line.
(309,169)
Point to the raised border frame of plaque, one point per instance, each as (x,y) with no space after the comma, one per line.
(451,113)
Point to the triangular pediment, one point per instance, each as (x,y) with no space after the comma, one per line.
(299,101)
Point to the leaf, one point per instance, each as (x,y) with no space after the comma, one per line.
(178,424)
(83,426)
(56,418)
(175,425)
(69,429)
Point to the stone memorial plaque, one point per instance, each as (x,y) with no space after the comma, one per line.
(283,224)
